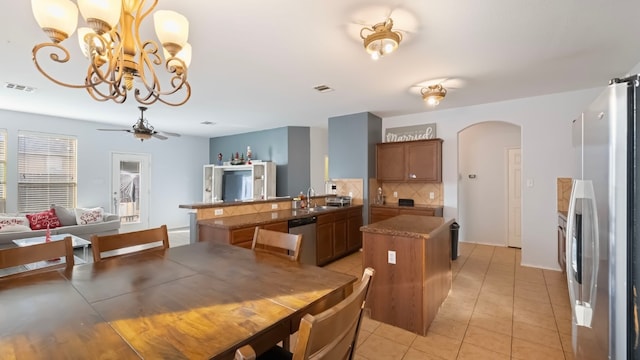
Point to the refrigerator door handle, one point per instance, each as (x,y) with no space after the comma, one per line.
(582,308)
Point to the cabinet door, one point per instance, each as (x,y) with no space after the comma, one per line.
(324,238)
(379,214)
(354,235)
(340,235)
(424,161)
(415,211)
(281,226)
(390,162)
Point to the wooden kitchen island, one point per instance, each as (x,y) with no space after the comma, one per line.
(409,293)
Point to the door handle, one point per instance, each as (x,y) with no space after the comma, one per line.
(582,307)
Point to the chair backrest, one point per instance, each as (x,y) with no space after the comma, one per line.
(133,240)
(46,251)
(278,243)
(330,335)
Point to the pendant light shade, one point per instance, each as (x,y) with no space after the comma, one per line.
(58,18)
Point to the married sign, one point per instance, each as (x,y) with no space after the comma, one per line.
(410,133)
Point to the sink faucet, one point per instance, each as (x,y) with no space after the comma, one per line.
(310,192)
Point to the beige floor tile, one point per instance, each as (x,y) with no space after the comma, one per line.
(526,350)
(447,327)
(395,334)
(362,336)
(359,357)
(497,310)
(438,345)
(413,354)
(379,348)
(491,323)
(568,355)
(533,318)
(564,326)
(537,307)
(488,340)
(559,296)
(369,324)
(562,311)
(469,351)
(553,277)
(536,334)
(534,295)
(565,340)
(501,290)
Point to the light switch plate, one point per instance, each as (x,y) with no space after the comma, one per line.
(218,212)
(391,257)
(274,206)
(432,195)
(395,194)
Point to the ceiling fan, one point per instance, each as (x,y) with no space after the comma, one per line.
(142,130)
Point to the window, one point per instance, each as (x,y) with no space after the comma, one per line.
(46,171)
(3,169)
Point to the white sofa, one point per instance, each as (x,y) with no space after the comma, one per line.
(109,225)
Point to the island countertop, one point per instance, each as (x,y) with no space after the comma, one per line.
(413,226)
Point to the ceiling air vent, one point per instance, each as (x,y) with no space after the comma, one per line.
(207,123)
(322,88)
(24,88)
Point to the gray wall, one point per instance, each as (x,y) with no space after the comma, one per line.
(176,164)
(352,140)
(288,147)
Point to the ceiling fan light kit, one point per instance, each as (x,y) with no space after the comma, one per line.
(143,130)
(115,51)
(433,94)
(381,39)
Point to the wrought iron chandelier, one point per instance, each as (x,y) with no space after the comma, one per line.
(119,61)
(381,40)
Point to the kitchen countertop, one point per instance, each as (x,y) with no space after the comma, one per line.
(240,221)
(416,206)
(219,204)
(414,226)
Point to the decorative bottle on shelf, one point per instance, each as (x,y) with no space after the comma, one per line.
(47,235)
(249,155)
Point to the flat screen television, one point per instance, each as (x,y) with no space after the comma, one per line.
(237,185)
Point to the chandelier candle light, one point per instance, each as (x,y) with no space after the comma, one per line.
(116,54)
(381,40)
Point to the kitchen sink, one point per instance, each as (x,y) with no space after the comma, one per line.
(319,208)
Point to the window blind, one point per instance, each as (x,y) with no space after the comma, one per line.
(47,171)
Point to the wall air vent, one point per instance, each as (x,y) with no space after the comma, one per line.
(322,88)
(24,88)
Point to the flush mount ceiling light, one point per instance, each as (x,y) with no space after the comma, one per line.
(116,53)
(433,94)
(381,40)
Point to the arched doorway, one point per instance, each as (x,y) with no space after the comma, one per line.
(489,183)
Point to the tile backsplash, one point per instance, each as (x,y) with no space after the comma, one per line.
(353,186)
(563,187)
(419,192)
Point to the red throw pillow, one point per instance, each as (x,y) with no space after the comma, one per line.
(39,221)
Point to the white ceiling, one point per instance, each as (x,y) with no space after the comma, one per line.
(256,62)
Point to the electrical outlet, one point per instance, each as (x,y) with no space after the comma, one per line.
(432,195)
(274,216)
(395,194)
(391,257)
(350,194)
(274,206)
(218,212)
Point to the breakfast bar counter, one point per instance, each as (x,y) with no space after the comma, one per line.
(412,258)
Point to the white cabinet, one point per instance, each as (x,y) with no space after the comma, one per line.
(249,182)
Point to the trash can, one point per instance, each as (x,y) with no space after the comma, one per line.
(455,227)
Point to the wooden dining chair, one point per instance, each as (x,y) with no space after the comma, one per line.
(330,335)
(279,243)
(48,253)
(130,242)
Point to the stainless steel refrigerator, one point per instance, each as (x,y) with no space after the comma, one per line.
(602,230)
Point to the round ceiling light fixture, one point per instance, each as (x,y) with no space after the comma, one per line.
(433,94)
(381,40)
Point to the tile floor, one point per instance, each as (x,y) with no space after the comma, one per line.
(497,309)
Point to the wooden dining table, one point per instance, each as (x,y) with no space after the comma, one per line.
(199,301)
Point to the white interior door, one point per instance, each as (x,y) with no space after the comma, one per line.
(130,190)
(514,196)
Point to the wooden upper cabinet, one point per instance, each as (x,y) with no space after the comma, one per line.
(419,161)
(390,162)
